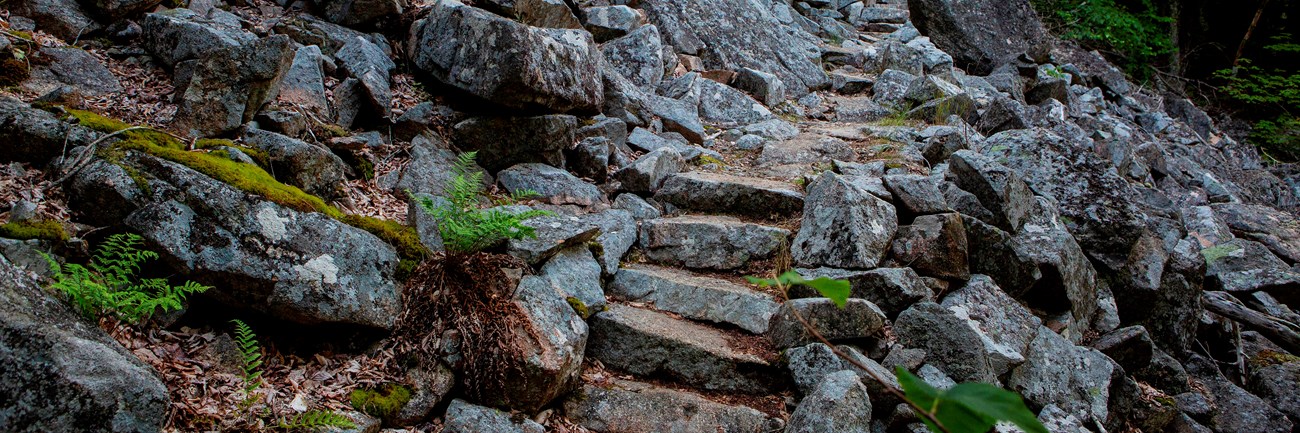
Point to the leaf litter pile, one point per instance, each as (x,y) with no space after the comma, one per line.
(201,369)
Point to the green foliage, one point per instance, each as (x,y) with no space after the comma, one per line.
(316,420)
(466,228)
(835,290)
(1273,91)
(49,230)
(1136,36)
(250,352)
(382,403)
(968,407)
(109,285)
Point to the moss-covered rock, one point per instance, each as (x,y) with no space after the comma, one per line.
(49,230)
(384,402)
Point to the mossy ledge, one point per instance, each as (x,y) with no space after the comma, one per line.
(251,179)
(48,230)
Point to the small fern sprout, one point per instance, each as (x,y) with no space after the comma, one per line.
(316,420)
(466,228)
(251,354)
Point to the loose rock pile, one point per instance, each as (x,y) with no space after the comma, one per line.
(1007,207)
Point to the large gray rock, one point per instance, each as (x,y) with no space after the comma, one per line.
(553,233)
(810,364)
(637,56)
(998,188)
(550,184)
(551,14)
(70,66)
(711,242)
(729,34)
(33,135)
(505,141)
(950,343)
(727,107)
(807,148)
(176,35)
(891,289)
(979,34)
(371,67)
(934,245)
(320,271)
(650,343)
(113,10)
(230,85)
(1276,385)
(66,19)
(843,226)
(1279,230)
(549,360)
(858,319)
(840,404)
(1076,379)
(1234,408)
(609,22)
(723,193)
(311,167)
(1005,327)
(524,67)
(304,83)
(59,372)
(1096,202)
(355,13)
(576,274)
(633,407)
(694,296)
(463,417)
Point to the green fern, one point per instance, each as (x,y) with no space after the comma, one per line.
(109,285)
(251,353)
(315,420)
(466,228)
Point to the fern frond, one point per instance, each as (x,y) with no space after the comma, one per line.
(465,227)
(315,420)
(251,353)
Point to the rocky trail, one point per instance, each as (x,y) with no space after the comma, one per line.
(1007,207)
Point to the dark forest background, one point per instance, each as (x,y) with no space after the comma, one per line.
(1239,59)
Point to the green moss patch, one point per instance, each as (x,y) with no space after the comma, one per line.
(216,143)
(402,237)
(384,402)
(1267,358)
(1214,253)
(109,125)
(49,230)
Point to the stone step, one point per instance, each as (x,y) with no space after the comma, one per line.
(728,194)
(709,242)
(694,296)
(635,407)
(654,344)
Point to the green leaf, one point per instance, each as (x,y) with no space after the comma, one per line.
(968,407)
(836,290)
(997,403)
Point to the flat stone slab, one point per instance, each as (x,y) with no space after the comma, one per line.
(634,407)
(733,195)
(694,296)
(650,343)
(712,242)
